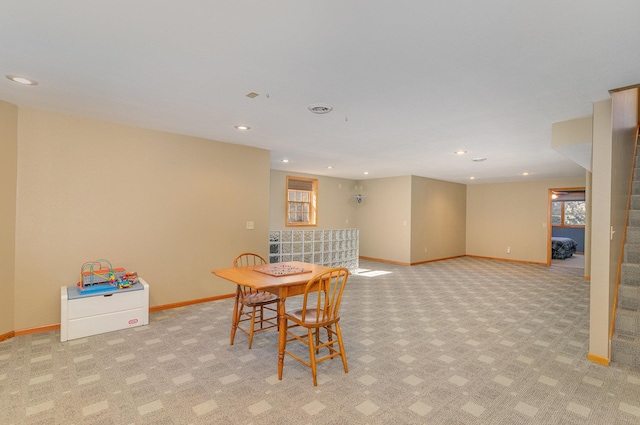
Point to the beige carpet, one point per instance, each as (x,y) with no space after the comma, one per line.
(462,341)
(576,261)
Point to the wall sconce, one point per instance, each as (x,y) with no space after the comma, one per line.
(358,198)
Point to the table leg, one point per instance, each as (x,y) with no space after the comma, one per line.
(282,341)
(234,319)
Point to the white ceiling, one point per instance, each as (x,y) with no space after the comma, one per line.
(410,81)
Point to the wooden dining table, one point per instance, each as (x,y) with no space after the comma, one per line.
(282,279)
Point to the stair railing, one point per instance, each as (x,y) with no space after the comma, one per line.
(624,241)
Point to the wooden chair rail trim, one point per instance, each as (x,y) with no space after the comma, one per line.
(400,263)
(507,260)
(417,263)
(189,302)
(55,326)
(7,336)
(598,359)
(381,260)
(37,329)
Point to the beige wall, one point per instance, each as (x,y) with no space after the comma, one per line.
(599,310)
(614,125)
(573,138)
(438,219)
(572,132)
(399,217)
(174,207)
(588,225)
(168,206)
(8,176)
(384,219)
(336,208)
(514,215)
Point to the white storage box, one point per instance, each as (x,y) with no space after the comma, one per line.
(91,314)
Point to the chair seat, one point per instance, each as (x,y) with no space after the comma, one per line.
(310,317)
(258,298)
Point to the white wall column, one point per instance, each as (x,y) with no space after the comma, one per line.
(601,233)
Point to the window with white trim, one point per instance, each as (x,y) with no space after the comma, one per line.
(302,201)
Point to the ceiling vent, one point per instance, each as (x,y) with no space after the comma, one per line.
(320,108)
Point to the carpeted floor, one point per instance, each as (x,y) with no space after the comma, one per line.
(462,341)
(576,261)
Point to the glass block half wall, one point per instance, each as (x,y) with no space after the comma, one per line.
(332,248)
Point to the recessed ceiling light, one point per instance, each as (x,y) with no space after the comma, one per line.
(284,160)
(320,108)
(366,172)
(252,94)
(479,159)
(472,178)
(242,127)
(525,173)
(330,167)
(22,80)
(460,152)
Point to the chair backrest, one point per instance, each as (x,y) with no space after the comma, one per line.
(248,259)
(244,260)
(323,294)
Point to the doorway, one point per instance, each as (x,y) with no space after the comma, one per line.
(566,233)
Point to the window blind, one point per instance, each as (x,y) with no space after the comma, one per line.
(300,185)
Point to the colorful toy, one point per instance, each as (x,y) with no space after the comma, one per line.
(99,275)
(99,271)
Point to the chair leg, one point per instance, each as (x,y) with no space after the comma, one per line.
(312,355)
(330,341)
(253,321)
(235,320)
(341,344)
